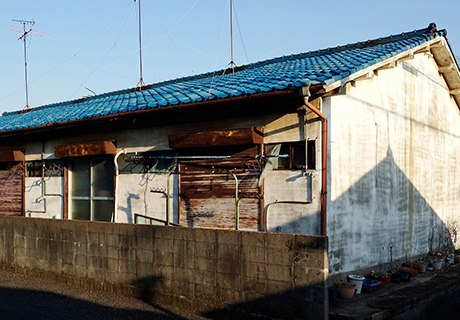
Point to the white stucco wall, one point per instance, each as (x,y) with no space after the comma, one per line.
(393,166)
(44,198)
(135,197)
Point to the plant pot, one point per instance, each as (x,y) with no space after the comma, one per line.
(347,292)
(357,280)
(383,280)
(396,277)
(422,268)
(370,285)
(405,276)
(437,265)
(333,293)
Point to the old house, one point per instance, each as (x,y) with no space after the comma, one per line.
(358,142)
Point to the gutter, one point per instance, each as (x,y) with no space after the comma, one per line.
(116,116)
(305,93)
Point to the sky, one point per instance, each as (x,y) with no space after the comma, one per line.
(92,46)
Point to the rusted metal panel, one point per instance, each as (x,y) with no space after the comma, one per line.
(12,156)
(216,138)
(11,191)
(219,213)
(85,149)
(208,194)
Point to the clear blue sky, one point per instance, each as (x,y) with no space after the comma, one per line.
(94,43)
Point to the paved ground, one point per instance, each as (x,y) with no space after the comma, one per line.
(23,297)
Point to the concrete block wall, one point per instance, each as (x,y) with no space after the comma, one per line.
(203,270)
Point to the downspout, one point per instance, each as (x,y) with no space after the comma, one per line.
(117,173)
(305,93)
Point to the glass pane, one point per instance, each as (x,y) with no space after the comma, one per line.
(80,179)
(80,209)
(102,210)
(299,156)
(102,178)
(272,151)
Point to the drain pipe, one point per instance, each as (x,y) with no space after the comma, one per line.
(305,93)
(117,173)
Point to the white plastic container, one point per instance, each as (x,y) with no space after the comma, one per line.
(357,280)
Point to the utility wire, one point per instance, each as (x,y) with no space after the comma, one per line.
(241,36)
(96,68)
(211,85)
(167,33)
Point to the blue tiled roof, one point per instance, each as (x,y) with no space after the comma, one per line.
(321,67)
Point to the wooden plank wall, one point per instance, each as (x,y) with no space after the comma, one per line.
(208,192)
(11,186)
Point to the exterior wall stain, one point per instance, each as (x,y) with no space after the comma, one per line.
(394,143)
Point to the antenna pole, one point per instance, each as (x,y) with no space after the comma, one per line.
(231,29)
(141,80)
(232,63)
(23,37)
(25,66)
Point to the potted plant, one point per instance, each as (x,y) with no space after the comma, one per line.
(346,289)
(405,274)
(384,278)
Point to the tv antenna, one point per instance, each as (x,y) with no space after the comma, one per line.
(231,64)
(24,32)
(141,80)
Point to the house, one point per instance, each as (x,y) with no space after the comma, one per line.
(359,142)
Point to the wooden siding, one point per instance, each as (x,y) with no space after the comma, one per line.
(11,191)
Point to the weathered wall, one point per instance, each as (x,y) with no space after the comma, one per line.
(197,269)
(134,194)
(394,166)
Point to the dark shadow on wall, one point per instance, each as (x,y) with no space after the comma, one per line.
(381,220)
(128,210)
(147,287)
(384,218)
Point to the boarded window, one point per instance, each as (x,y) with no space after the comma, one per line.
(210,188)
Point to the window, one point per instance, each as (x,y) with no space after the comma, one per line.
(148,162)
(92,189)
(291,155)
(48,168)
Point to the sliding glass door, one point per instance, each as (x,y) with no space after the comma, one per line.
(91,193)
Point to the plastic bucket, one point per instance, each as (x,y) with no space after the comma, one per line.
(357,280)
(437,265)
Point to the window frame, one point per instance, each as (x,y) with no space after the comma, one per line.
(307,157)
(90,161)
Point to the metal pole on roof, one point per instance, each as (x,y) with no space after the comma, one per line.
(141,80)
(231,29)
(232,63)
(23,36)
